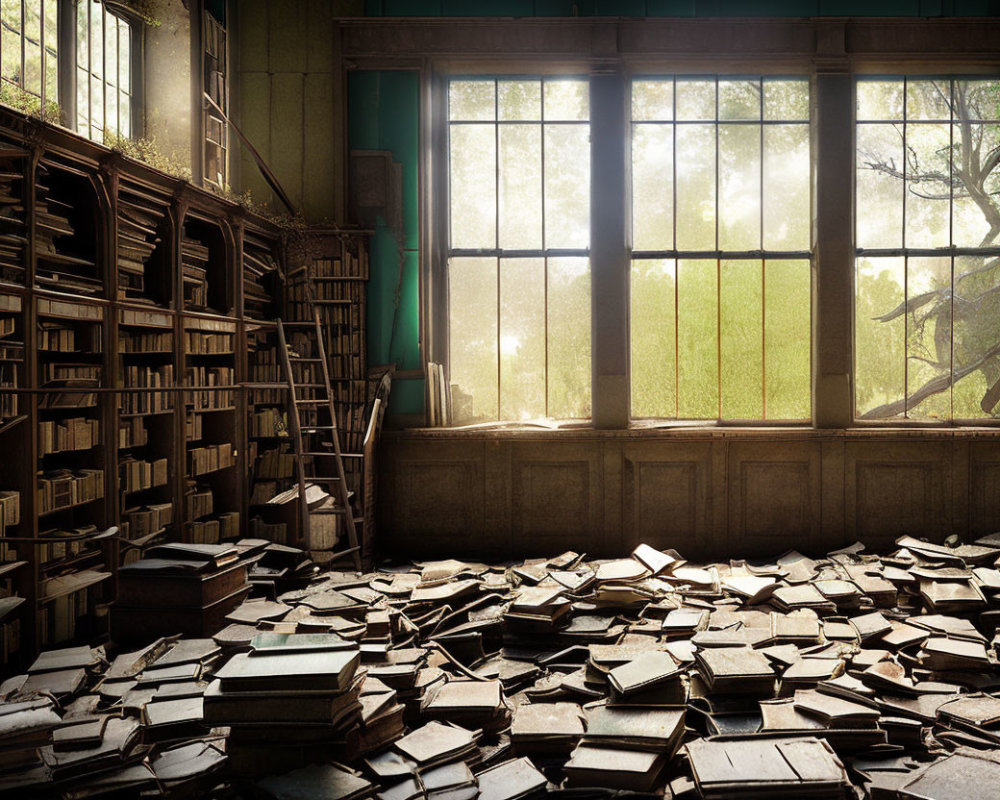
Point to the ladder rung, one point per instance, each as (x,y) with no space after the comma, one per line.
(325,455)
(310,385)
(311,402)
(303,359)
(317,428)
(321,479)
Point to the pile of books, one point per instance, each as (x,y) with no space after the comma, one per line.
(178,588)
(139,221)
(13,236)
(259,262)
(290,700)
(194,271)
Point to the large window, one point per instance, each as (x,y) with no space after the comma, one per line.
(29,54)
(927,316)
(31,41)
(103,72)
(519,244)
(721,279)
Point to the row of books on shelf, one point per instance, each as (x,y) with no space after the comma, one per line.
(194,270)
(63,488)
(198,501)
(141,521)
(9,400)
(61,338)
(76,614)
(213,531)
(77,433)
(276,532)
(132,433)
(269,422)
(203,343)
(193,427)
(71,374)
(137,475)
(275,464)
(264,367)
(210,458)
(12,226)
(146,341)
(145,402)
(63,544)
(10,509)
(208,397)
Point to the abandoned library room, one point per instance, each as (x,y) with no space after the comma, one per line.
(501,399)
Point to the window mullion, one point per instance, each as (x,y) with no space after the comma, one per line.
(609,255)
(834,238)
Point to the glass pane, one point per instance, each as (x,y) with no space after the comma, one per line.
(695,99)
(52,25)
(739,99)
(787,340)
(569,338)
(124,56)
(698,340)
(97,38)
(33,21)
(522,338)
(567,100)
(97,105)
(928,162)
(51,77)
(472,328)
(652,187)
(880,100)
(653,331)
(977,332)
(10,55)
(879,213)
(567,186)
(10,14)
(520,100)
(928,100)
(472,100)
(739,187)
(124,114)
(786,100)
(980,97)
(787,190)
(741,338)
(880,338)
(970,224)
(695,187)
(83,35)
(82,101)
(520,187)
(32,68)
(653,100)
(928,338)
(111,49)
(473,186)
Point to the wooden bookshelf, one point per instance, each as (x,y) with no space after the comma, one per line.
(136,313)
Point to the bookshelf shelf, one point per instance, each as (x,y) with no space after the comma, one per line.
(135,309)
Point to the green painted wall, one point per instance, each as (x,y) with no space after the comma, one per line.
(383,114)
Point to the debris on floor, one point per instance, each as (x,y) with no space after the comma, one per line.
(848,676)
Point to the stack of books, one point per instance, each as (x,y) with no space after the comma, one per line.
(178,588)
(291,700)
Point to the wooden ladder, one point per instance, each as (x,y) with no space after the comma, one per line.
(304,459)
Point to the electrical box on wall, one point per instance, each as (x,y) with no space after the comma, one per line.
(376,189)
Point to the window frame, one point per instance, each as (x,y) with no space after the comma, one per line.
(944,47)
(499,253)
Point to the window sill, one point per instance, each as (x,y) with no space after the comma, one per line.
(649,430)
